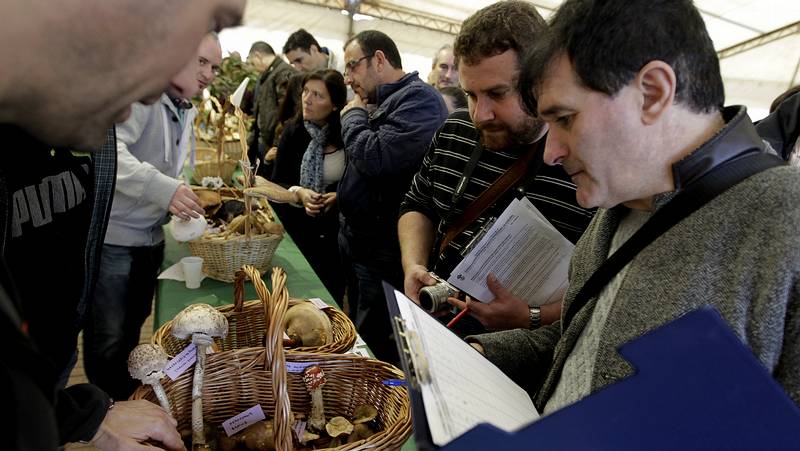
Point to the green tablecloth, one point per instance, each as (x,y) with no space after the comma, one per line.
(172,296)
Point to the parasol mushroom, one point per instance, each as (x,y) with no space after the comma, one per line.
(202,323)
(146,363)
(314,378)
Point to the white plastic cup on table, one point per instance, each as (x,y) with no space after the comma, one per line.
(192,271)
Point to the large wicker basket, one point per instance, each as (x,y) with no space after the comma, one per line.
(247,325)
(237,380)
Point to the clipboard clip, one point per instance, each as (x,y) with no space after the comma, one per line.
(417,363)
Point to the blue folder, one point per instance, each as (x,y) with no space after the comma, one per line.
(696,387)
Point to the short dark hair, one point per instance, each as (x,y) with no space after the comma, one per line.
(457,94)
(334,83)
(497,28)
(782,97)
(300,39)
(371,41)
(609,41)
(261,47)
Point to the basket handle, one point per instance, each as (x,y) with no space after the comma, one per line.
(247,272)
(275,311)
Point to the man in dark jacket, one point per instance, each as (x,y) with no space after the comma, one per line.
(386,130)
(268,94)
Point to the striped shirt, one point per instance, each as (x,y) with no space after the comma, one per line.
(431,191)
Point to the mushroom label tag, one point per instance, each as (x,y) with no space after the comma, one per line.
(298,367)
(319,303)
(250,416)
(181,362)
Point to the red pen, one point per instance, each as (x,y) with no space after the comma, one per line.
(458,317)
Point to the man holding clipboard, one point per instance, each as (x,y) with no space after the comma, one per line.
(693,210)
(479,161)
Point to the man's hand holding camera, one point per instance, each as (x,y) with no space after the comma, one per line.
(416,277)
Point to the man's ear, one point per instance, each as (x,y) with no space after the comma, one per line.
(380,60)
(657,83)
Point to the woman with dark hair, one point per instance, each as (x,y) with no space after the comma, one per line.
(311,161)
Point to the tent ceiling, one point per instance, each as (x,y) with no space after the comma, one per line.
(757,62)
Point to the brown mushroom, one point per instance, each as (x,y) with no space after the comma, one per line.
(361,431)
(307,325)
(338,426)
(314,378)
(364,413)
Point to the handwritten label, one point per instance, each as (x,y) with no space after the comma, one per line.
(181,362)
(298,367)
(250,416)
(394,382)
(319,303)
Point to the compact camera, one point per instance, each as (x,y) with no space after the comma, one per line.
(433,298)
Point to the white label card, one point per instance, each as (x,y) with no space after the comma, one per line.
(319,303)
(298,367)
(181,362)
(250,416)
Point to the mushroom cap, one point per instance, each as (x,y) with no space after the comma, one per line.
(146,363)
(314,377)
(338,426)
(364,413)
(199,319)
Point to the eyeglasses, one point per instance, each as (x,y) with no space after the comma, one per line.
(352,64)
(214,68)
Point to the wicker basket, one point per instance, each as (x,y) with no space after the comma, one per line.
(222,257)
(237,380)
(207,165)
(247,325)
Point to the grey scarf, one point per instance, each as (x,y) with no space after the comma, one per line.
(311,167)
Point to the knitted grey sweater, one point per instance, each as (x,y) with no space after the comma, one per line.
(739,253)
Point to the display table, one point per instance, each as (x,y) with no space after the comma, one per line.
(301,281)
(173,296)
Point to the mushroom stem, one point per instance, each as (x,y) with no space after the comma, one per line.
(202,342)
(317,419)
(158,389)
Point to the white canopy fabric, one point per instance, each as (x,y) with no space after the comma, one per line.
(753,77)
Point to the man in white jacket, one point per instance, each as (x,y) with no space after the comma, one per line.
(152,146)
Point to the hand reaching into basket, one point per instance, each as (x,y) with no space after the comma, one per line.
(130,423)
(185,204)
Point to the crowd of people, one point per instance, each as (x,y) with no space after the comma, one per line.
(616,132)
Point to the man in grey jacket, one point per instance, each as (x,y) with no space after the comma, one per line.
(152,146)
(636,118)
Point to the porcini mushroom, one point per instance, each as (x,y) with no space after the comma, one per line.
(314,378)
(146,363)
(201,322)
(307,325)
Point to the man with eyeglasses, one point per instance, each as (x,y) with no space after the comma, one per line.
(385,143)
(152,146)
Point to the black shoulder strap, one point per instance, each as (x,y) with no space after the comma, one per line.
(687,201)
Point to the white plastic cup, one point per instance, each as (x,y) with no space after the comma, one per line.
(192,271)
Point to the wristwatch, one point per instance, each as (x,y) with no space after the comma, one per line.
(535,317)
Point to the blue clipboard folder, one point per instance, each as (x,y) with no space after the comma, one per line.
(696,387)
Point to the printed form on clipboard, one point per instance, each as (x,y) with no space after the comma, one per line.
(524,251)
(460,388)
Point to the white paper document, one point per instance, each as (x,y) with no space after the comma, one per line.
(462,389)
(524,251)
